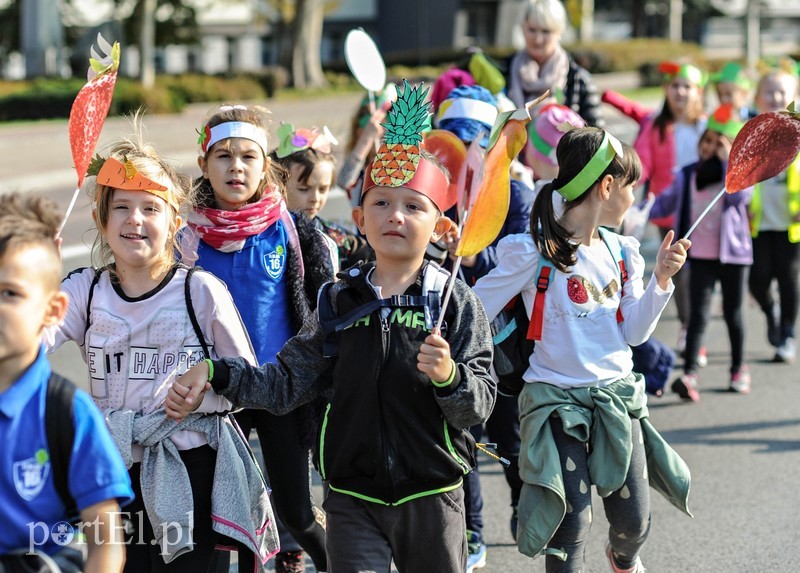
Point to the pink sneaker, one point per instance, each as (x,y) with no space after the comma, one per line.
(637,566)
(740,381)
(702,357)
(686,387)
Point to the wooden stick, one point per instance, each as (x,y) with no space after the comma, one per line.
(69,210)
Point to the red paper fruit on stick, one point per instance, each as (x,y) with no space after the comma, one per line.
(764,147)
(91,105)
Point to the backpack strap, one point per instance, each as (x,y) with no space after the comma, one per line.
(60,433)
(95,280)
(611,240)
(434,281)
(544,270)
(190,308)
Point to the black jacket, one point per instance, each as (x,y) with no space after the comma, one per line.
(388,434)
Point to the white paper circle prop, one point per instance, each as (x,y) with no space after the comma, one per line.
(364,60)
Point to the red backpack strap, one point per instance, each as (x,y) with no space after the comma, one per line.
(543,273)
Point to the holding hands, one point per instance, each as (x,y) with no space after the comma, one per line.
(187,392)
(671,257)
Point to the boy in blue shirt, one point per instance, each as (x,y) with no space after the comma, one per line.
(32,513)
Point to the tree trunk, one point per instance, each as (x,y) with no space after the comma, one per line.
(306,65)
(638,19)
(147,43)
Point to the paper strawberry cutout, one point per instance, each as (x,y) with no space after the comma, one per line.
(91,105)
(765,146)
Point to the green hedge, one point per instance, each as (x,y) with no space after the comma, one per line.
(52,98)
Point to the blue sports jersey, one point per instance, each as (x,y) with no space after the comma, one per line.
(30,508)
(254,276)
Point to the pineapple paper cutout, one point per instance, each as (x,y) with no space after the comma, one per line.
(398,156)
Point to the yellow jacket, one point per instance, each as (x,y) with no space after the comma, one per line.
(793,198)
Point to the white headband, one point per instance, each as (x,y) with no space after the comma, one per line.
(237,129)
(465,108)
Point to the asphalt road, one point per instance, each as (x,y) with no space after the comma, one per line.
(744,451)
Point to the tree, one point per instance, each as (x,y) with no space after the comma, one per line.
(298,30)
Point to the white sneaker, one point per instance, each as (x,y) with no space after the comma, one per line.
(786,352)
(702,357)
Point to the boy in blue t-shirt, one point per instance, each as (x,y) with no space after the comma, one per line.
(32,513)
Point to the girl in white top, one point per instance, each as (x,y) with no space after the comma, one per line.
(131,319)
(582,344)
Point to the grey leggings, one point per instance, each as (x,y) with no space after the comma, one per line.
(627,509)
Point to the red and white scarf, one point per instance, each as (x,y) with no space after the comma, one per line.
(227,231)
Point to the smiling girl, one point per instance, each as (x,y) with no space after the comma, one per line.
(141,319)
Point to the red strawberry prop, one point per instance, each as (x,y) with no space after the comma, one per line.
(90,108)
(765,146)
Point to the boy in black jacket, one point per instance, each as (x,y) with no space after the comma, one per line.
(392,443)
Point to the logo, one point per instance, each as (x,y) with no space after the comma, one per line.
(30,475)
(274,262)
(62,533)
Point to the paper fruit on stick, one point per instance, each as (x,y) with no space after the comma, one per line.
(486,217)
(91,105)
(764,147)
(452,152)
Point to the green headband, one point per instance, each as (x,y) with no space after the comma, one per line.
(732,73)
(536,140)
(609,148)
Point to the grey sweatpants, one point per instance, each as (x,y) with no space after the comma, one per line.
(424,534)
(627,509)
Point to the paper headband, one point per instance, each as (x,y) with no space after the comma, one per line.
(398,162)
(125,176)
(725,121)
(465,108)
(243,129)
(686,71)
(291,141)
(732,73)
(609,148)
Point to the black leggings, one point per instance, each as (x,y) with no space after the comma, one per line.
(142,556)
(627,509)
(732,279)
(774,257)
(288,468)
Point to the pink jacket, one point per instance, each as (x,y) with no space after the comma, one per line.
(658,161)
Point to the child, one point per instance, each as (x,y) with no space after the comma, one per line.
(30,272)
(581,395)
(733,86)
(775,225)
(666,143)
(307,157)
(141,319)
(393,445)
(723,249)
(273,264)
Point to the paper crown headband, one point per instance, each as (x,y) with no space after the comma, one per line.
(785,64)
(686,71)
(726,121)
(732,73)
(466,108)
(398,162)
(124,175)
(609,148)
(547,128)
(211,135)
(291,141)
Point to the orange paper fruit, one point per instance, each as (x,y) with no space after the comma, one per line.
(452,152)
(487,216)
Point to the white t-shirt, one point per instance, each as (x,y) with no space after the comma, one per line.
(582,343)
(686,139)
(136,347)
